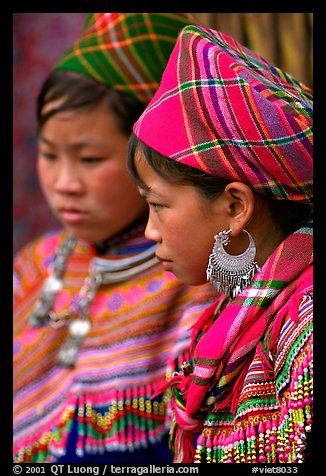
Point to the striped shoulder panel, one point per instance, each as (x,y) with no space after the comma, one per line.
(294,342)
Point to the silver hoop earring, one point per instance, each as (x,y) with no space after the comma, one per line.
(231,274)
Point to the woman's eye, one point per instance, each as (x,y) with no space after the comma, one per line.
(92,160)
(48,155)
(155,206)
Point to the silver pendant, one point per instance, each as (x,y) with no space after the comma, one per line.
(231,274)
(68,353)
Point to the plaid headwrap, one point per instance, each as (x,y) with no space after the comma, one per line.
(126,51)
(225,110)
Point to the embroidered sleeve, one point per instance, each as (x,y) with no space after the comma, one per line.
(16,284)
(31,263)
(294,376)
(20,273)
(196,301)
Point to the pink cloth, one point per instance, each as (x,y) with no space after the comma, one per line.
(224,110)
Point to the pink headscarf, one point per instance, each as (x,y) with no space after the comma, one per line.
(223,109)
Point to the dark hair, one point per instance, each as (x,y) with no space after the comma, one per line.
(288,214)
(82,92)
(208,185)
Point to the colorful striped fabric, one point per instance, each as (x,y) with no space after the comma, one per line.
(136,325)
(223,109)
(126,51)
(273,419)
(249,324)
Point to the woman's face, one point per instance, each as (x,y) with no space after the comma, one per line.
(83,173)
(181,222)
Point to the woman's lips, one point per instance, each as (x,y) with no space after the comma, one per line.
(166,263)
(70,215)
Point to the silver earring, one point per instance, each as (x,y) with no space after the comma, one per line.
(231,274)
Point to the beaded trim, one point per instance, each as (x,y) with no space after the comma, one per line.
(131,420)
(273,437)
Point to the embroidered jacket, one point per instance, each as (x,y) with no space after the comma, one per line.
(135,325)
(274,415)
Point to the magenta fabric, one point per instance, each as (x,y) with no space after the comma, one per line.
(223,109)
(223,351)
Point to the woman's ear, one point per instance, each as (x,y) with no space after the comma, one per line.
(241,201)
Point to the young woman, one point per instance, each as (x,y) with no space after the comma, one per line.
(96,315)
(223,156)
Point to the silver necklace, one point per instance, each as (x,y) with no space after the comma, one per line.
(102,271)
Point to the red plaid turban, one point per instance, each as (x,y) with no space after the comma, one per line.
(126,51)
(225,110)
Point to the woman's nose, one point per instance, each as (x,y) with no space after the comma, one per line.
(151,232)
(67,180)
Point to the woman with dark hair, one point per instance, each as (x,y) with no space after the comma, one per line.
(95,315)
(223,156)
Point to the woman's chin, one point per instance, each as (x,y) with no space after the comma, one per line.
(85,235)
(189,280)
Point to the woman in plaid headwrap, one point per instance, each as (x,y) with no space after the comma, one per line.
(223,156)
(96,316)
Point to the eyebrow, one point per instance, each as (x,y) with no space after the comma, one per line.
(145,191)
(77,145)
(40,137)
